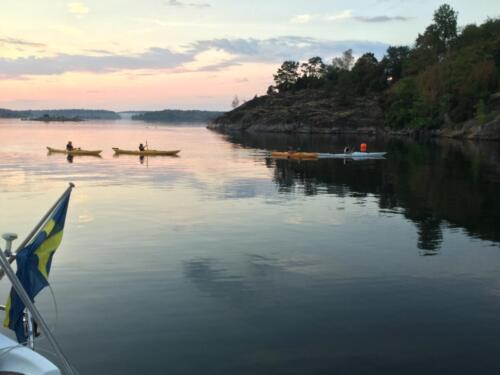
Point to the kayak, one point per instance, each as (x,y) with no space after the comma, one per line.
(295,155)
(76,151)
(119,151)
(354,155)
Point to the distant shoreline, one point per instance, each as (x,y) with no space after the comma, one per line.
(61,115)
(177,116)
(47,118)
(78,115)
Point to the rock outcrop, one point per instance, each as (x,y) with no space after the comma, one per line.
(307,111)
(314,111)
(471,129)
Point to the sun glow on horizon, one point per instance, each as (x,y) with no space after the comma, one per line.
(156,54)
(138,89)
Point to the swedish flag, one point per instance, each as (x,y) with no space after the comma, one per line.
(33,265)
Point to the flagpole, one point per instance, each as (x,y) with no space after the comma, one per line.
(21,292)
(11,256)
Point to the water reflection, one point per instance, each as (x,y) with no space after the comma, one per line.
(231,261)
(216,281)
(292,322)
(430,235)
(432,183)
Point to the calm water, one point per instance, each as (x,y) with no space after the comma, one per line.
(223,261)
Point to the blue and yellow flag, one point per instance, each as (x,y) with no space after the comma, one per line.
(33,266)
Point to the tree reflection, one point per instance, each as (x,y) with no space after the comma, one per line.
(430,235)
(430,182)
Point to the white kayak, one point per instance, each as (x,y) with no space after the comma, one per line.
(354,155)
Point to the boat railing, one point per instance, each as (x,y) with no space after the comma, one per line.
(32,312)
(29,327)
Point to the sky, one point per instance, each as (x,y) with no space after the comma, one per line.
(188,54)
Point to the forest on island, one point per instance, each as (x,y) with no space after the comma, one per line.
(450,75)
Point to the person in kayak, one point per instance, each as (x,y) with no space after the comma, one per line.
(69,146)
(347,150)
(141,148)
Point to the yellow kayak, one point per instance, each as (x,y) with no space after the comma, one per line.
(76,151)
(119,151)
(295,155)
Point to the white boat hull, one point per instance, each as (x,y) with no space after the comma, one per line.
(19,359)
(355,155)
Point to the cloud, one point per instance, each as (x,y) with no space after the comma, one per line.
(344,15)
(176,3)
(20,42)
(302,18)
(153,58)
(78,8)
(381,19)
(234,52)
(98,51)
(306,18)
(287,47)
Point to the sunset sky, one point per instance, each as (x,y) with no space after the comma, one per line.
(156,54)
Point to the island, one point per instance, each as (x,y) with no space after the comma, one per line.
(447,84)
(179,116)
(49,118)
(60,114)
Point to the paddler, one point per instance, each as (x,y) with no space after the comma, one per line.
(347,149)
(141,148)
(69,146)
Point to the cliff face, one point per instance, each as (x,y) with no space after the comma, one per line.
(307,111)
(313,111)
(489,131)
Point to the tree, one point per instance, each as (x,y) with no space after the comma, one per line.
(393,62)
(431,46)
(405,106)
(445,22)
(470,35)
(331,78)
(345,88)
(236,102)
(287,75)
(313,68)
(438,35)
(313,72)
(428,49)
(345,61)
(429,40)
(367,74)
(271,90)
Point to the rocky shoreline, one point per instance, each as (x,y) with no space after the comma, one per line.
(311,112)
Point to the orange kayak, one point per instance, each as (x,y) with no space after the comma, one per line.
(295,155)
